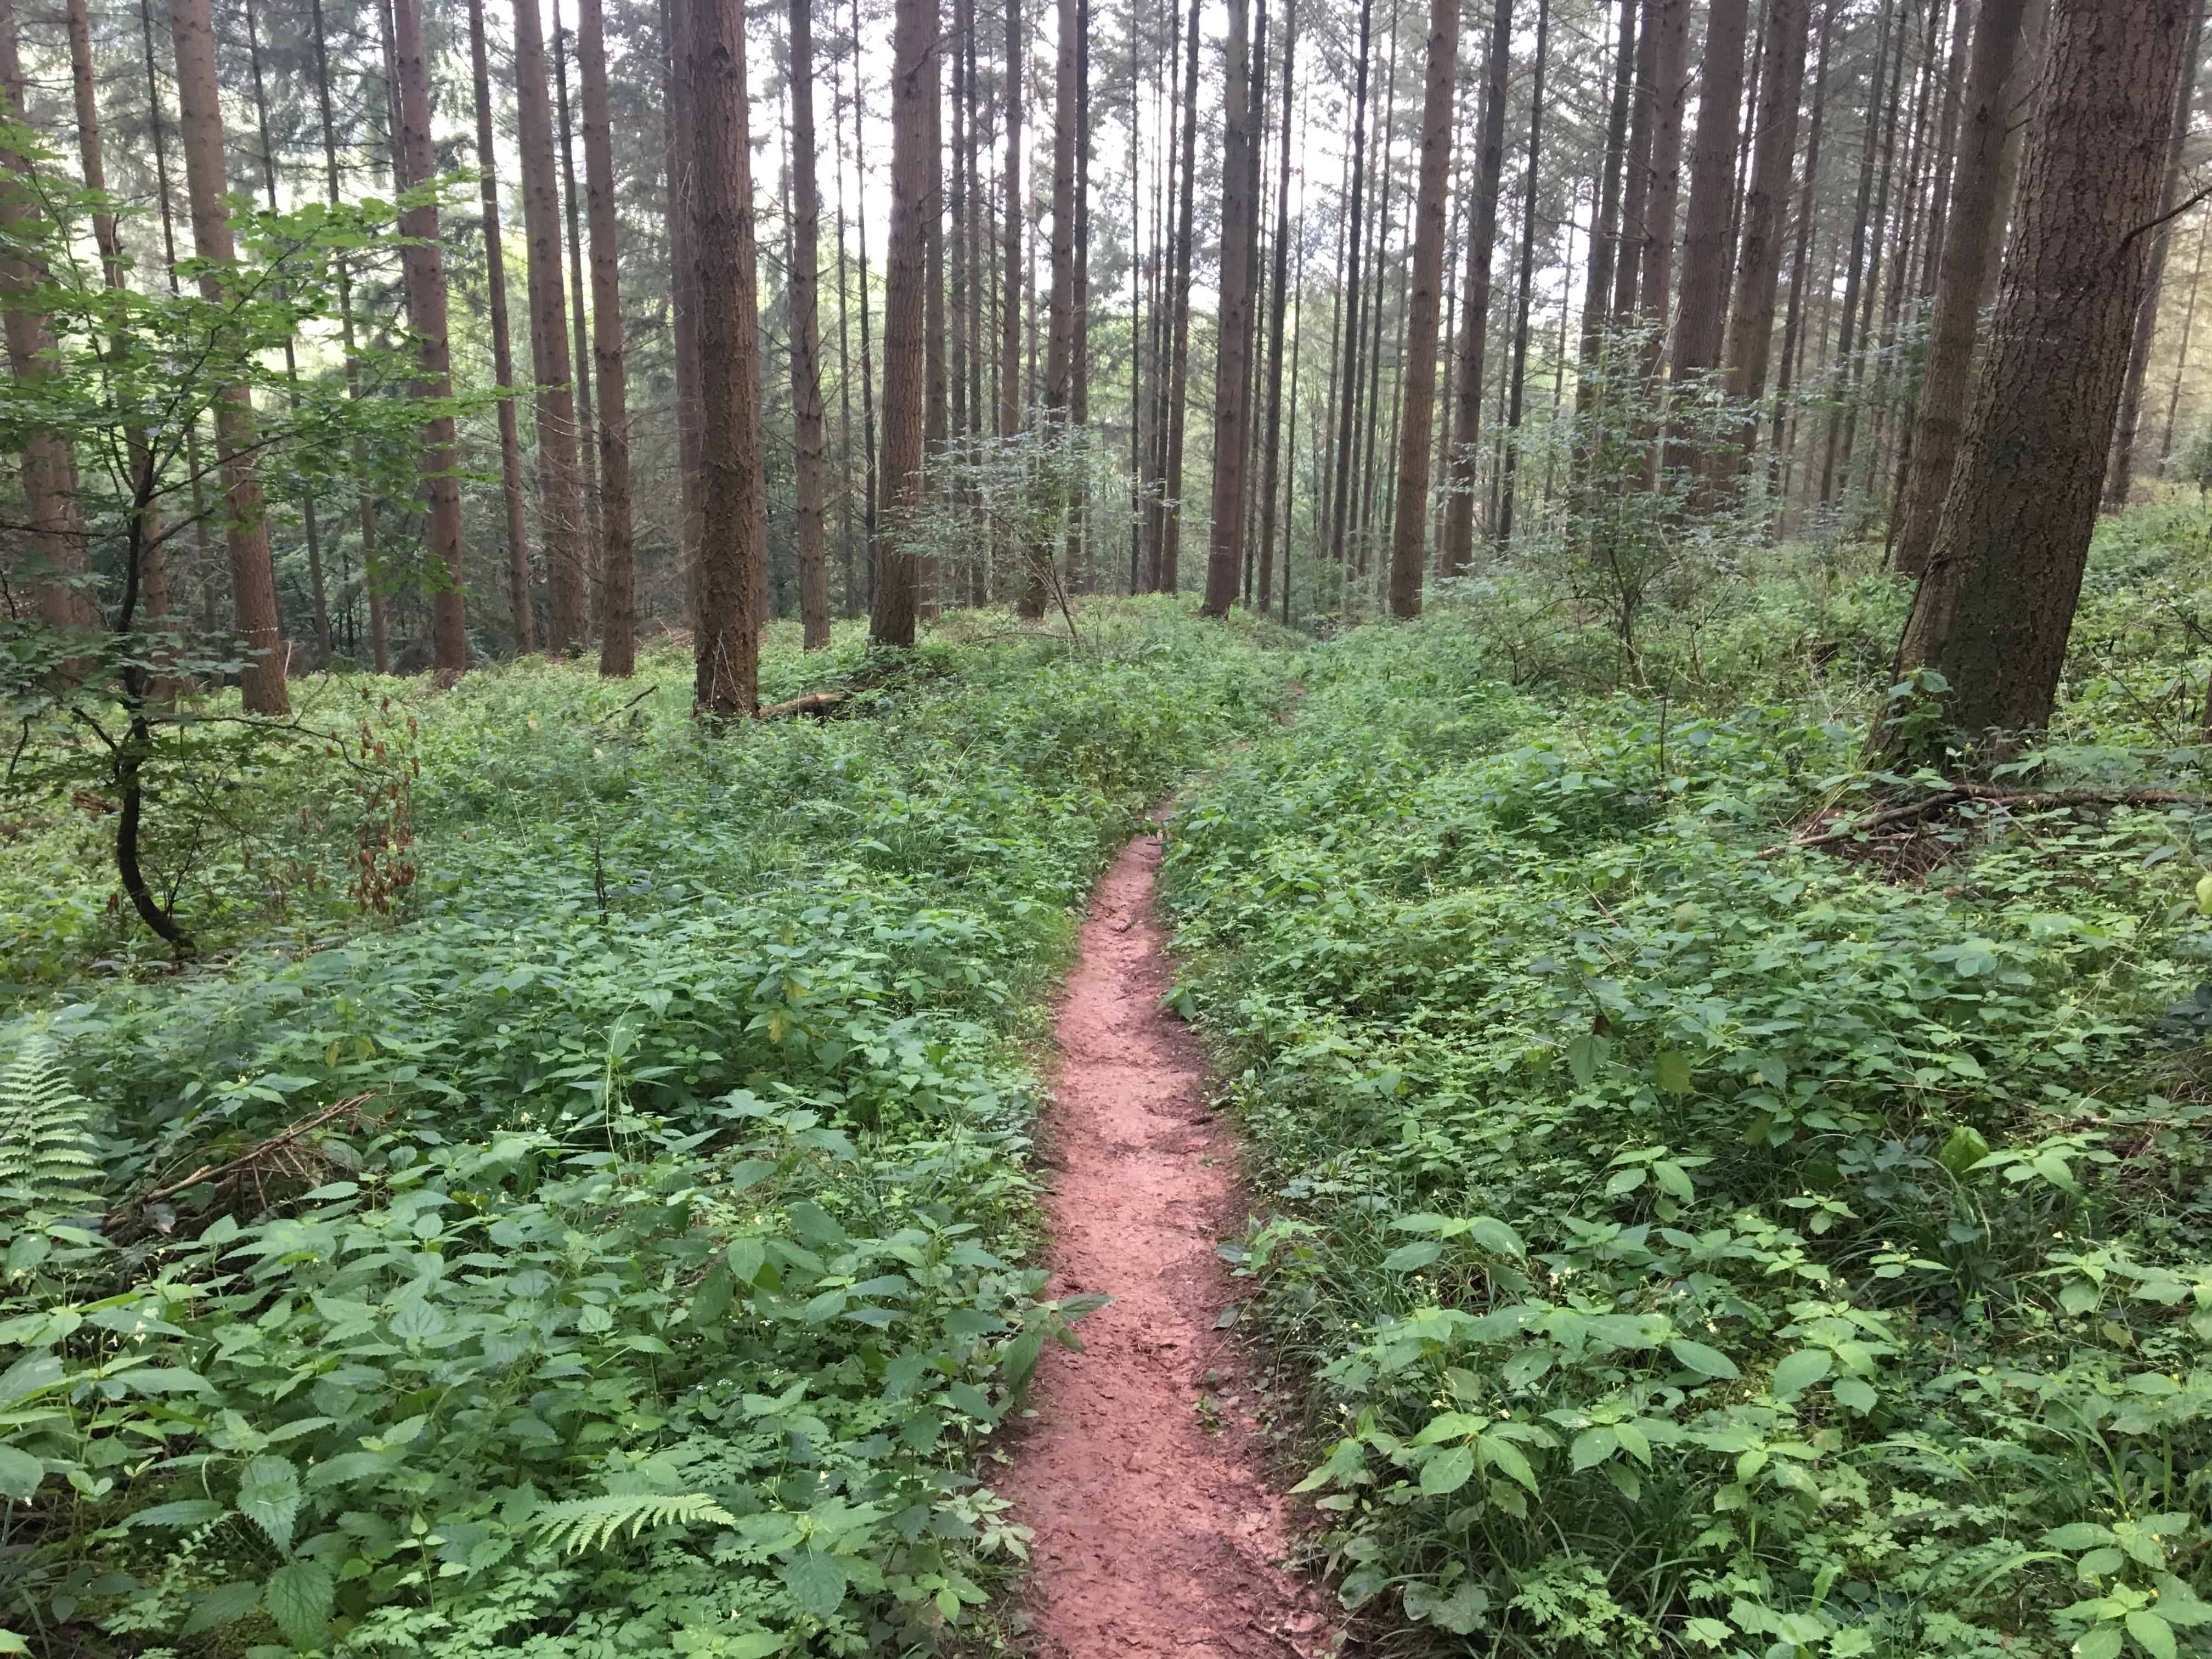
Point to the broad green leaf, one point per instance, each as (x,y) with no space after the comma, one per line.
(1448,1471)
(1407,1257)
(1593,1446)
(1670,1069)
(184,1512)
(299,1597)
(1706,1362)
(1495,1237)
(1855,1393)
(1800,1371)
(2100,1641)
(1508,1458)
(2152,1633)
(269,1496)
(19,1473)
(816,1579)
(2080,1535)
(1963,1149)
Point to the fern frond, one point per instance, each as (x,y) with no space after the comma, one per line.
(588,1523)
(47,1162)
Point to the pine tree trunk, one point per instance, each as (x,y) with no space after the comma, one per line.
(936,391)
(1178,380)
(872,499)
(617,560)
(502,350)
(1059,331)
(2119,482)
(913,187)
(1669,91)
(1232,369)
(423,263)
(1801,263)
(809,471)
(1750,339)
(1606,234)
(1705,238)
(1474,319)
(683,296)
(1855,273)
(733,495)
(1011,550)
(1636,184)
(2181,350)
(1079,561)
(1270,474)
(1972,239)
(1418,391)
(1348,402)
(1523,289)
(850,568)
(572,211)
(253,578)
(980,262)
(2004,572)
(560,503)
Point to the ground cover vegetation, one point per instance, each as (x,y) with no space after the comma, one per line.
(1685,1239)
(576,1201)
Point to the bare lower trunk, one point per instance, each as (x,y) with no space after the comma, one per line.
(502,350)
(809,469)
(1475,320)
(617,579)
(913,189)
(1232,411)
(1279,295)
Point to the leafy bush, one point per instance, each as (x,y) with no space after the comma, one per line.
(619,1245)
(1695,1247)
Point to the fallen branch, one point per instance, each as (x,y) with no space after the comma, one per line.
(818,703)
(1958,794)
(217,1174)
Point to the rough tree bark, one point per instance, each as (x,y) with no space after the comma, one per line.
(1706,239)
(1279,295)
(572,218)
(253,579)
(1509,469)
(2004,574)
(1750,339)
(809,469)
(1973,235)
(560,504)
(1169,577)
(1059,303)
(1475,305)
(1424,302)
(1348,389)
(617,563)
(913,187)
(423,262)
(1232,411)
(1010,310)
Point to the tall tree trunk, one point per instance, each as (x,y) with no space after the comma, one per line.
(572,212)
(868,340)
(1993,610)
(1636,184)
(1340,502)
(1474,319)
(1801,265)
(1606,234)
(1179,355)
(913,187)
(1010,305)
(1525,284)
(1669,91)
(976,236)
(152,574)
(253,578)
(423,262)
(1418,393)
(1079,393)
(2119,480)
(684,294)
(1059,331)
(1750,339)
(936,393)
(1232,369)
(1705,238)
(560,503)
(2181,349)
(617,560)
(852,598)
(1973,236)
(1855,273)
(56,540)
(502,350)
(1278,297)
(809,469)
(733,496)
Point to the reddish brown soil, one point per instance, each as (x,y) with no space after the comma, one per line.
(1154,1536)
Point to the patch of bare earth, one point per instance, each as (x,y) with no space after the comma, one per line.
(1156,1530)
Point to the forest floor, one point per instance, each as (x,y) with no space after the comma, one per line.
(1143,1476)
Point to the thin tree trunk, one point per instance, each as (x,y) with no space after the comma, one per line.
(1010,305)
(2181,352)
(1855,272)
(1750,339)
(559,491)
(1670,89)
(1801,265)
(1347,410)
(502,351)
(1231,374)
(733,496)
(867,341)
(1270,473)
(1418,394)
(1636,185)
(913,187)
(1606,234)
(1078,393)
(1528,276)
(980,265)
(617,577)
(588,471)
(809,469)
(1474,319)
(1060,332)
(684,294)
(936,393)
(1706,239)
(844,362)
(1179,357)
(1972,239)
(1993,612)
(253,578)
(2119,482)
(423,262)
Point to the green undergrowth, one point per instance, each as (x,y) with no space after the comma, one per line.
(621,1245)
(1697,1245)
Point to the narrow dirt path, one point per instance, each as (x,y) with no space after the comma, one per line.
(1156,1532)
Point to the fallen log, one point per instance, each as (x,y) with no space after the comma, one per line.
(818,703)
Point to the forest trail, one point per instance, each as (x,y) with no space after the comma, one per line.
(1156,1532)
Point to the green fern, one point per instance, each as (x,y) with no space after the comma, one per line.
(47,1163)
(586,1523)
